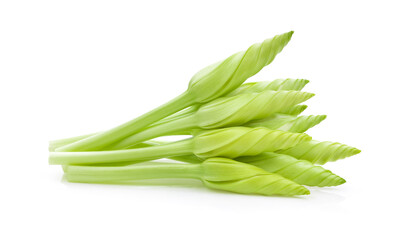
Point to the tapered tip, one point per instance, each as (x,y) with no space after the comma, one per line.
(331,180)
(303,191)
(356,151)
(336,181)
(299,190)
(322,117)
(310,95)
(341,181)
(303,107)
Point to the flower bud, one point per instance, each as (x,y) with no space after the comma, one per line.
(221,78)
(229,175)
(275,85)
(240,109)
(321,152)
(300,171)
(243,141)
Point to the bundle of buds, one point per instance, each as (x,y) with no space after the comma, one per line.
(240,137)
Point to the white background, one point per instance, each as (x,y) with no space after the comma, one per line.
(74,67)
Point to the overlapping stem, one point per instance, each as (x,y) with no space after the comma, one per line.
(222,112)
(228,142)
(208,84)
(255,87)
(217,173)
(130,156)
(102,139)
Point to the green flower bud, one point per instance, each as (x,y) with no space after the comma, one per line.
(226,142)
(237,110)
(221,78)
(217,173)
(300,171)
(321,152)
(222,112)
(275,85)
(288,123)
(294,110)
(242,141)
(233,176)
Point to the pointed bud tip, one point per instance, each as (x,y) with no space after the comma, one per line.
(356,151)
(322,117)
(341,181)
(303,191)
(311,94)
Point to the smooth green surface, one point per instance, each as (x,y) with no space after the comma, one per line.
(218,173)
(135,155)
(226,142)
(320,152)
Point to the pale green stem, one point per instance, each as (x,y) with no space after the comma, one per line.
(53,144)
(103,139)
(168,128)
(129,173)
(179,148)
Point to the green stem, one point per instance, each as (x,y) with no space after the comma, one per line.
(53,144)
(179,114)
(179,148)
(168,128)
(103,139)
(128,173)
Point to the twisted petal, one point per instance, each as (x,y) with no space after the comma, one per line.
(224,169)
(287,122)
(233,176)
(294,110)
(320,152)
(300,171)
(237,110)
(222,77)
(242,141)
(275,85)
(302,123)
(275,121)
(254,87)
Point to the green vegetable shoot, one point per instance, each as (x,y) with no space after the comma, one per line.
(237,136)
